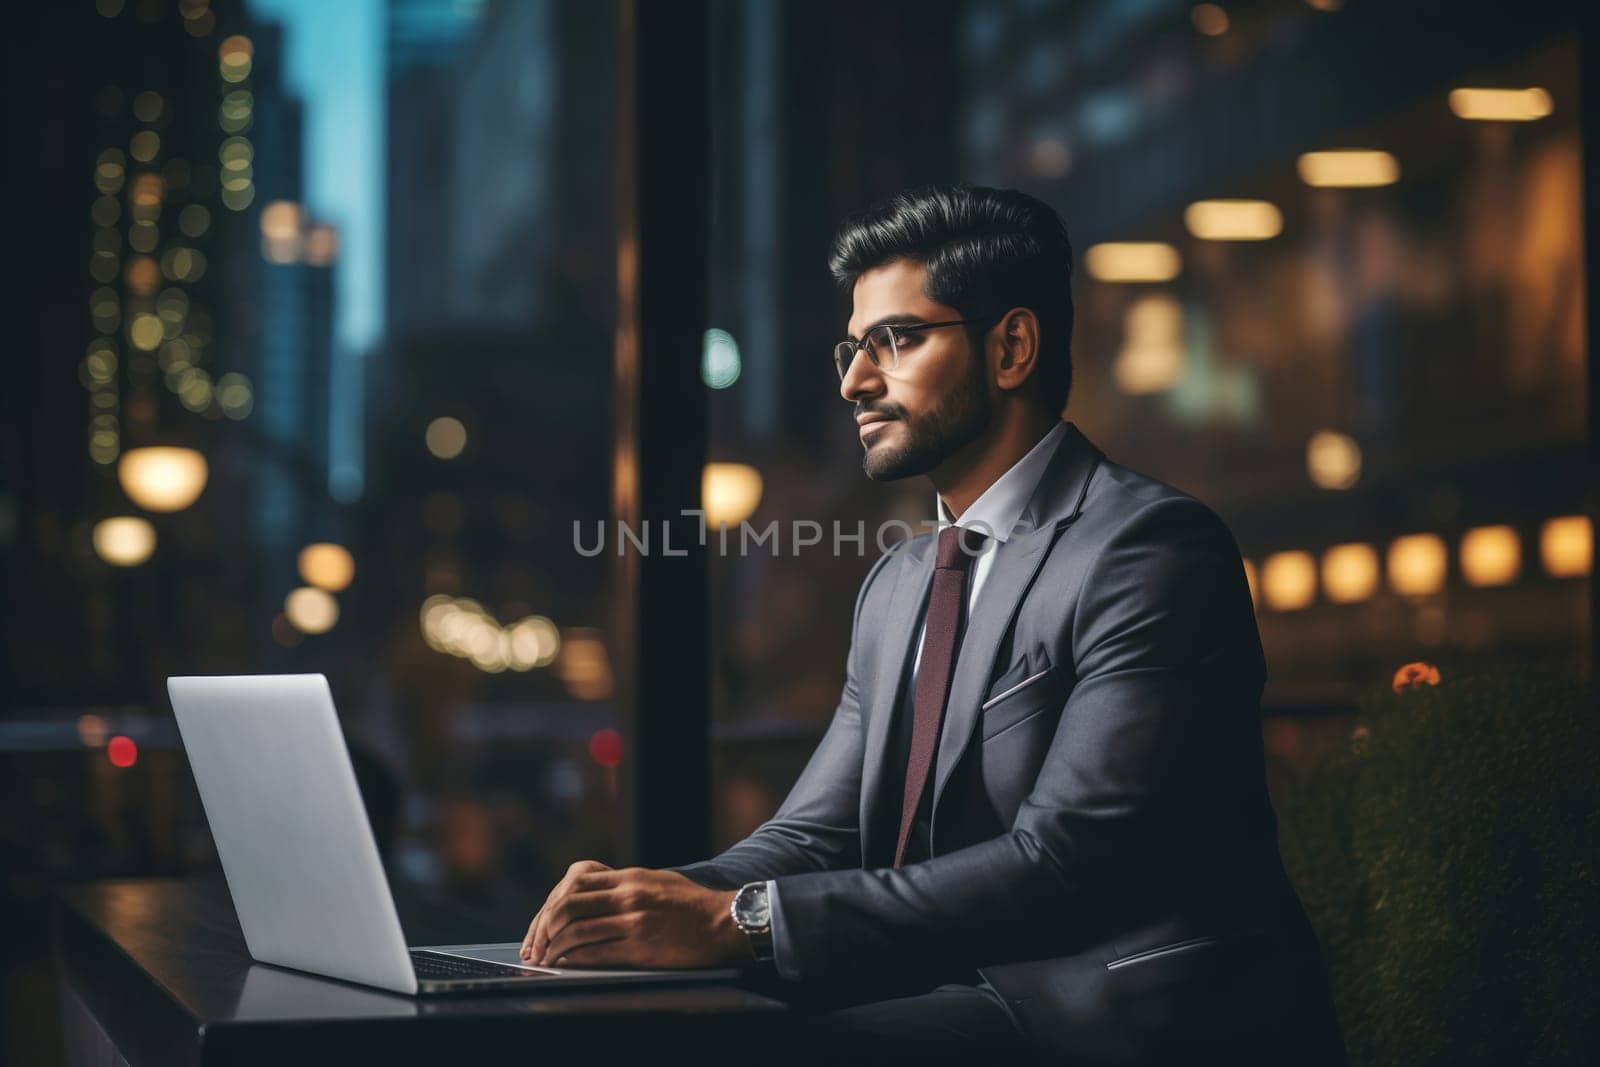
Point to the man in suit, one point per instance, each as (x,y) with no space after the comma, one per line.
(1038,821)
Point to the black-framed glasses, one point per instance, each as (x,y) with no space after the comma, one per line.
(884,342)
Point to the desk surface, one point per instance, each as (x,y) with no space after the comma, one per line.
(158,971)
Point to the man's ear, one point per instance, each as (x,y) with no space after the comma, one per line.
(1017,335)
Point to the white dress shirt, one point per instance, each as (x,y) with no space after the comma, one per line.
(1000,512)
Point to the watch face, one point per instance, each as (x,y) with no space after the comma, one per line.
(751,908)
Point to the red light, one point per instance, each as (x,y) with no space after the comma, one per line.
(605,747)
(123,752)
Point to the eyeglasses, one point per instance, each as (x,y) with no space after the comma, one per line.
(884,342)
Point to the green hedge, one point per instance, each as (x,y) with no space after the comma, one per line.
(1448,858)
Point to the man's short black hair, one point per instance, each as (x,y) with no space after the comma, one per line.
(986,251)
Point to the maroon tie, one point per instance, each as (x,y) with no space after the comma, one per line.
(946,605)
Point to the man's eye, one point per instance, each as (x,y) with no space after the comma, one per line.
(903,337)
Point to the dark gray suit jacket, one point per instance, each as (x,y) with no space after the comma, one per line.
(1104,851)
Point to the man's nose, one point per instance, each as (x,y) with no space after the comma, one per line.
(861,378)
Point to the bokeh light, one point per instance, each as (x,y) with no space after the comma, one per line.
(235,395)
(729,493)
(321,245)
(584,665)
(1348,168)
(144,145)
(1233,220)
(92,730)
(1209,19)
(1350,572)
(234,56)
(719,359)
(1133,261)
(147,106)
(162,478)
(1501,105)
(1152,357)
(311,610)
(122,752)
(1490,555)
(281,221)
(124,540)
(446,437)
(194,220)
(535,642)
(1417,564)
(1566,546)
(327,566)
(1289,580)
(1333,460)
(605,747)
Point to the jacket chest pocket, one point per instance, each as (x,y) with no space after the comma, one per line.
(1016,724)
(1018,701)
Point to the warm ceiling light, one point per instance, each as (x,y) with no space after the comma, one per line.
(1417,564)
(1500,105)
(125,541)
(311,610)
(1350,572)
(729,493)
(1289,580)
(1566,545)
(1333,460)
(1349,168)
(162,478)
(1250,580)
(1490,555)
(1133,261)
(327,566)
(1233,220)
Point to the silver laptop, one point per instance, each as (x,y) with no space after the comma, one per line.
(299,855)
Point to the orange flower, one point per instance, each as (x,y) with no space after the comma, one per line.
(1414,674)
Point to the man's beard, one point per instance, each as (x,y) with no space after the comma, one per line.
(931,439)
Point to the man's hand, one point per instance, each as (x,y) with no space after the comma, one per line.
(634,917)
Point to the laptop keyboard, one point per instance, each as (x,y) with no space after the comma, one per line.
(430,966)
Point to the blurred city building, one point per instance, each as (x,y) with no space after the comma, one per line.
(489,433)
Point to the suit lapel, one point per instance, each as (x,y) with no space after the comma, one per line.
(900,624)
(1016,561)
(1055,504)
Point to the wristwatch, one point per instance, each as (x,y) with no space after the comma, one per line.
(752,913)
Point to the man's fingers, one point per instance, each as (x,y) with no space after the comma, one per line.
(533,937)
(536,938)
(583,932)
(527,938)
(579,906)
(590,881)
(589,884)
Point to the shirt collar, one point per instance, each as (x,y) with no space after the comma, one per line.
(1002,509)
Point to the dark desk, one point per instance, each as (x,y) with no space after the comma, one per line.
(156,972)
